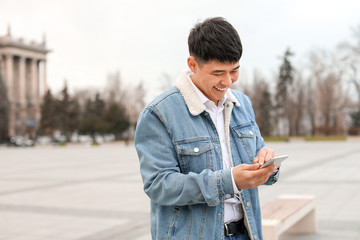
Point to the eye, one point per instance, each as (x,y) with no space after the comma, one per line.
(218,74)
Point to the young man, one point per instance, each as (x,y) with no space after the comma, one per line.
(200,148)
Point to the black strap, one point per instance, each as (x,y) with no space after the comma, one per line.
(234,228)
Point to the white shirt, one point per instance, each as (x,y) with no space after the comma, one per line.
(232,207)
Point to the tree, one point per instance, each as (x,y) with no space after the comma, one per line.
(296,104)
(261,98)
(49,115)
(115,120)
(88,120)
(350,51)
(284,82)
(328,93)
(255,91)
(355,117)
(69,111)
(351,58)
(285,79)
(265,108)
(91,121)
(310,106)
(4,111)
(136,102)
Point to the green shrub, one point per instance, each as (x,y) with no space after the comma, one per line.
(276,139)
(326,138)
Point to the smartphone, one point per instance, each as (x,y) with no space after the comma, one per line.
(275,160)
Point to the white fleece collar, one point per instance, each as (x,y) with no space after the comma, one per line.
(192,99)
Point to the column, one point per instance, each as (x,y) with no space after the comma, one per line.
(22,83)
(9,76)
(22,96)
(44,79)
(10,88)
(3,69)
(36,89)
(34,82)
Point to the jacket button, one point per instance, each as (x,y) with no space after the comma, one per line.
(217,148)
(255,236)
(248,204)
(228,196)
(196,150)
(219,215)
(251,132)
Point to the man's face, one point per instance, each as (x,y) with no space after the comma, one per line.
(213,78)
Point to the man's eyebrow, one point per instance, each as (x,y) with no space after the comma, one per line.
(218,71)
(221,71)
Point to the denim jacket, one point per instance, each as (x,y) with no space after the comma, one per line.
(181,163)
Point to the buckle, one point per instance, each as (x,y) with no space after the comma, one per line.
(227,231)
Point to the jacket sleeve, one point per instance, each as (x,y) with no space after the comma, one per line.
(159,168)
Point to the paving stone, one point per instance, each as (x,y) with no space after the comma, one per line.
(95,193)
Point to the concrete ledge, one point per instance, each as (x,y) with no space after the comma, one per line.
(289,213)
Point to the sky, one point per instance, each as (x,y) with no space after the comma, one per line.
(144,39)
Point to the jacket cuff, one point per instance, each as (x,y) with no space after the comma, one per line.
(224,183)
(236,190)
(274,177)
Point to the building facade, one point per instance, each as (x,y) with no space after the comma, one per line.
(23,69)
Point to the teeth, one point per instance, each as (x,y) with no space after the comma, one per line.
(221,89)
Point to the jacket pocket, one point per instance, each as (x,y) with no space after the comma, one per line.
(245,139)
(195,155)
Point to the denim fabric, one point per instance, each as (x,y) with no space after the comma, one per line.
(181,167)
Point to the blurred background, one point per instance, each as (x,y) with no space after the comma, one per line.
(74,76)
(66,65)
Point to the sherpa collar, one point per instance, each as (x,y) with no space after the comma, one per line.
(191,98)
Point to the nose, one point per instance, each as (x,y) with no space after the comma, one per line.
(227,81)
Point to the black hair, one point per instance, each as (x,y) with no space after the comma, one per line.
(215,39)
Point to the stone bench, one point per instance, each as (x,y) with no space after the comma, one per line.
(288,213)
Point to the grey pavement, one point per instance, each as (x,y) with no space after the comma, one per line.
(81,192)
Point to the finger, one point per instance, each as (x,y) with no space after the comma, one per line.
(256,160)
(261,156)
(269,154)
(261,161)
(264,175)
(256,166)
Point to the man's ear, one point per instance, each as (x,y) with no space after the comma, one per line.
(193,65)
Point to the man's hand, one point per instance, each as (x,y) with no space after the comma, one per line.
(250,176)
(264,155)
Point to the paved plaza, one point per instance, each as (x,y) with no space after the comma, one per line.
(81,192)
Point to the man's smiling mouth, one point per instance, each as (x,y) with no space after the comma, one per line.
(220,89)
